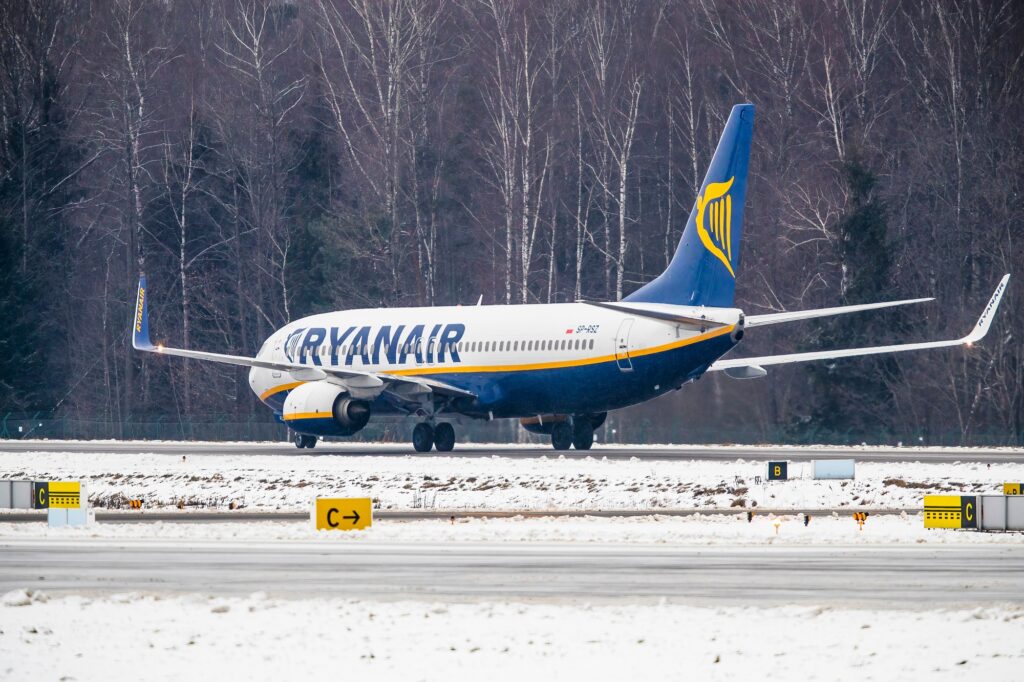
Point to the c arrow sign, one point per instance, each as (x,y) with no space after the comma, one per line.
(342,513)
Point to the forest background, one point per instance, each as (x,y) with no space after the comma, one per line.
(264,160)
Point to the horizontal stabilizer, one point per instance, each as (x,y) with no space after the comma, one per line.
(685,314)
(776,318)
(976,334)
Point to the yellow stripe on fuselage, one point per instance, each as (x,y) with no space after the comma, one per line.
(308,415)
(558,364)
(277,389)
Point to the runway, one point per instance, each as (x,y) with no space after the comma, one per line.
(913,577)
(442,514)
(619,452)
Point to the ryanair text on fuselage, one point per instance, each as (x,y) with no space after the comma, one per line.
(394,344)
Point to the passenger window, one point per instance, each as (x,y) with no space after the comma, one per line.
(515,345)
(591,344)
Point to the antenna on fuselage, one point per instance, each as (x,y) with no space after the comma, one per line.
(480,301)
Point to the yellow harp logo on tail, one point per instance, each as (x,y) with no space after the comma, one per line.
(714,221)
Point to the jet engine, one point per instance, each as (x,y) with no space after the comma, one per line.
(324,409)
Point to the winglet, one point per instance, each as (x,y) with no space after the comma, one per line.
(985,321)
(140,325)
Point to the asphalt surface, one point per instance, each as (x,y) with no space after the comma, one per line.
(903,577)
(433,514)
(716,453)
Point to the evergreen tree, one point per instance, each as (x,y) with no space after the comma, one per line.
(852,398)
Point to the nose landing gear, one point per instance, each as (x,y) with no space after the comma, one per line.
(301,440)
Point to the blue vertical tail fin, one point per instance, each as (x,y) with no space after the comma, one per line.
(703,269)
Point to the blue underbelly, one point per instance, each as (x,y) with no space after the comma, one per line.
(584,388)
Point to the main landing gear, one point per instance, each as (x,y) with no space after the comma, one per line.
(301,440)
(580,434)
(425,436)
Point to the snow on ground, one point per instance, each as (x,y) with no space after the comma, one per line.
(171,638)
(278,482)
(730,530)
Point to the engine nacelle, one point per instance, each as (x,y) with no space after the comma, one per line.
(324,409)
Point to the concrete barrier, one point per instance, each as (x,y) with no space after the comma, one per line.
(1001,512)
(833,469)
(21,494)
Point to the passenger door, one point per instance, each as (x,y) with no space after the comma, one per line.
(622,345)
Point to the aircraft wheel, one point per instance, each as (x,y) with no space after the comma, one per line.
(423,437)
(561,436)
(582,434)
(444,437)
(299,440)
(310,441)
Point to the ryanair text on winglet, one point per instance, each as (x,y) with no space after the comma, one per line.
(138,309)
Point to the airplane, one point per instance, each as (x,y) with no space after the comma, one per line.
(559,368)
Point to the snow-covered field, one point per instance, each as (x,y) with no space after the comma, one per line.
(158,636)
(276,482)
(200,637)
(726,530)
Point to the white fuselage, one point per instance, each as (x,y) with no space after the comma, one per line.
(499,353)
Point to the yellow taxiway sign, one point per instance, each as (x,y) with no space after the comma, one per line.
(343,513)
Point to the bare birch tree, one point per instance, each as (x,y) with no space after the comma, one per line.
(255,114)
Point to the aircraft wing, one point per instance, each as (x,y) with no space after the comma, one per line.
(749,368)
(350,378)
(776,318)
